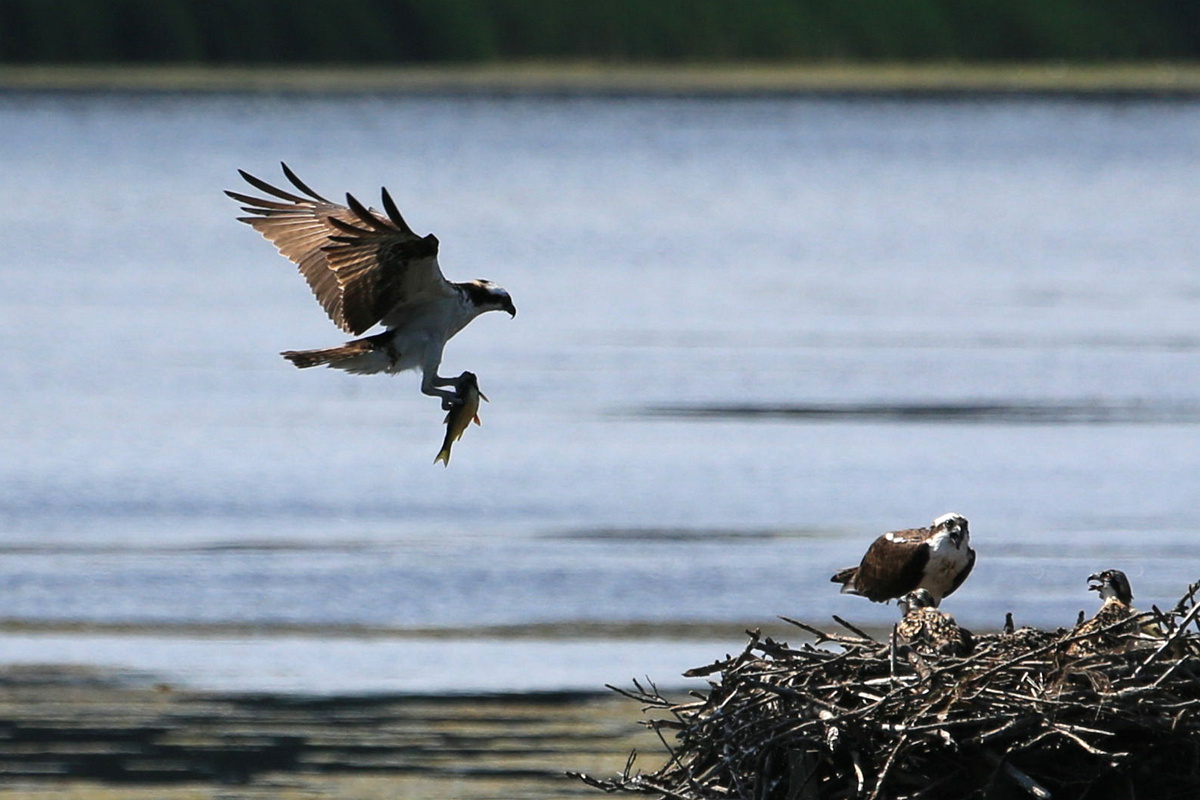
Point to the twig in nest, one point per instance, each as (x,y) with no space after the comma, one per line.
(857,631)
(820,635)
(1025,782)
(1175,636)
(881,779)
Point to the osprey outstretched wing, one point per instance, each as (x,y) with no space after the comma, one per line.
(359,263)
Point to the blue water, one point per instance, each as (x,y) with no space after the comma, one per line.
(753,334)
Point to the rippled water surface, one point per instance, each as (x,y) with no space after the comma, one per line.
(753,334)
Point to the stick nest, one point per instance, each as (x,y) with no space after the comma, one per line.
(1026,714)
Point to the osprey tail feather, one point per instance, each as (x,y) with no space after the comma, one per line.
(327,355)
(847,578)
(367,355)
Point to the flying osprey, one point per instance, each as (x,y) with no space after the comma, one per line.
(928,630)
(938,558)
(365,269)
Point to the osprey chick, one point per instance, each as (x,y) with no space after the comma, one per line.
(1104,630)
(929,631)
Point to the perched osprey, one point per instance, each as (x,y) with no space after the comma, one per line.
(1116,605)
(365,269)
(938,558)
(928,630)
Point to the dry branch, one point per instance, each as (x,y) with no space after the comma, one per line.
(1022,716)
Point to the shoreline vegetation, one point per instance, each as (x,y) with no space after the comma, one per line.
(618,31)
(1165,80)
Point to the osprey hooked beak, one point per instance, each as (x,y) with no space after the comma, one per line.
(917,598)
(1111,583)
(955,526)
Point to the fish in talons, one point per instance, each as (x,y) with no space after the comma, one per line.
(463,412)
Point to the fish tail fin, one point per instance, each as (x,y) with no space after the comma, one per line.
(443,456)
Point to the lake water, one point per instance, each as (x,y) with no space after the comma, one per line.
(753,334)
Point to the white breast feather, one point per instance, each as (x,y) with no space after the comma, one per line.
(423,331)
(945,562)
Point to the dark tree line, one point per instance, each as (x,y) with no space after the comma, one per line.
(423,31)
